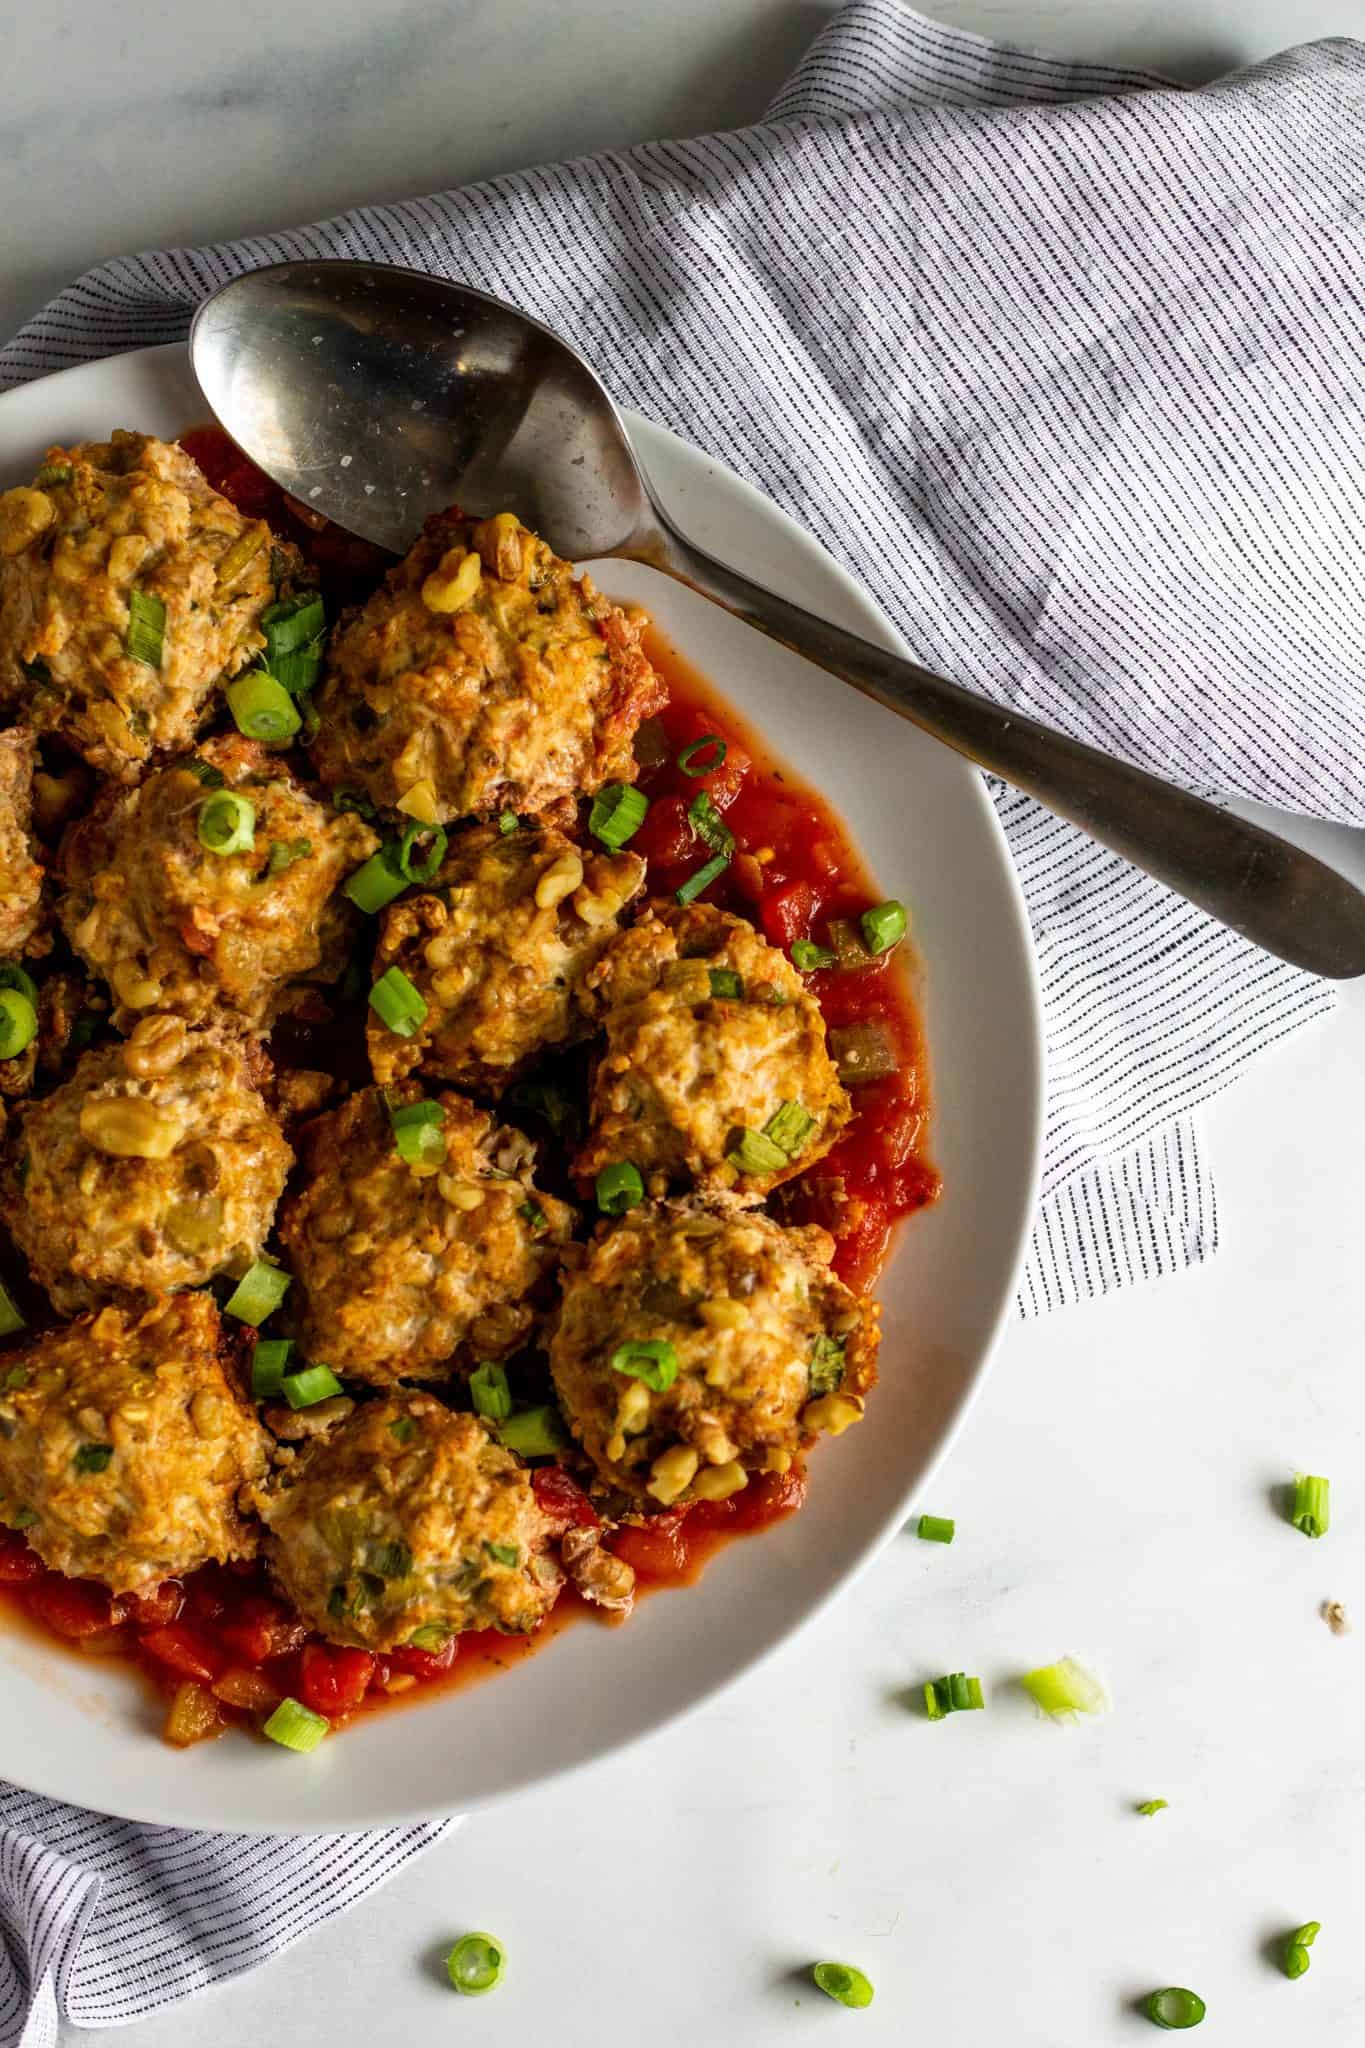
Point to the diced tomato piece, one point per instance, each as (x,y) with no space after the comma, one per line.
(666,839)
(769,1498)
(250,1690)
(204,1597)
(184,1649)
(194,1716)
(787,912)
(72,1607)
(258,1629)
(562,1498)
(18,1563)
(333,1680)
(656,1549)
(157,1608)
(425,1663)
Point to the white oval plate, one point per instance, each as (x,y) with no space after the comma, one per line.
(85,1732)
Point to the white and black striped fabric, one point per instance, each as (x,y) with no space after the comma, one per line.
(1066,365)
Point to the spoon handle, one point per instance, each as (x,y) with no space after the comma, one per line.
(1269,891)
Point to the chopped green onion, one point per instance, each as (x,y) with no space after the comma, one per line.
(261,707)
(533,1215)
(17,1376)
(1294,1954)
(284,852)
(654,1361)
(1151,1806)
(12,975)
(936,1529)
(146,635)
(53,473)
(726,985)
(475,1964)
(227,823)
(1311,1510)
(489,1391)
(403,1429)
(203,771)
(257,1294)
(430,1636)
(291,622)
(690,761)
(619,1187)
(703,878)
(295,1726)
(417,1135)
(392,1560)
(11,1319)
(93,1457)
(709,826)
(23,1518)
(508,822)
(344,800)
(789,1127)
(244,549)
(375,882)
(394,999)
(313,1383)
(883,926)
(1174,2008)
(503,1553)
(808,956)
(425,870)
(533,1432)
(1065,1688)
(843,1983)
(268,1362)
(756,1153)
(827,1363)
(18,1023)
(956,1694)
(618,811)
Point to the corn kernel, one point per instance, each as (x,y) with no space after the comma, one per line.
(672,1473)
(718,1482)
(832,1414)
(453,583)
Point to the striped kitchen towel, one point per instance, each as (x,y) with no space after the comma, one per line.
(1065,364)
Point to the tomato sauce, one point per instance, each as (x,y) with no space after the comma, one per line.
(222,1642)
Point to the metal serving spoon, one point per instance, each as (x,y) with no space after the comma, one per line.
(379,395)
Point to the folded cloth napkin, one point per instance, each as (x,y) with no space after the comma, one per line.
(1063,362)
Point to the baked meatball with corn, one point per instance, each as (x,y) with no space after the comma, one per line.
(128,590)
(483,676)
(416,1236)
(21,873)
(125,1445)
(715,1074)
(693,1349)
(409,1524)
(211,887)
(157,1166)
(497,950)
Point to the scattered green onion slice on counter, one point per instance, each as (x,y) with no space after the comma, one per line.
(508,822)
(93,1458)
(11,1318)
(711,744)
(533,1432)
(618,811)
(53,473)
(295,1726)
(430,1636)
(789,1127)
(268,1362)
(313,1383)
(12,975)
(258,1293)
(503,1553)
(955,1694)
(1174,2008)
(702,879)
(145,639)
(1065,1688)
(375,882)
(936,1529)
(808,956)
(726,985)
(418,1137)
(1294,1954)
(841,1982)
(827,1363)
(261,707)
(619,1187)
(1311,1513)
(18,1023)
(883,926)
(423,870)
(756,1153)
(654,1361)
(227,823)
(1151,1806)
(475,1965)
(394,999)
(489,1391)
(709,826)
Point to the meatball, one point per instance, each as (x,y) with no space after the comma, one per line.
(104,523)
(124,1444)
(407,1520)
(155,1167)
(499,954)
(411,1271)
(710,1033)
(753,1347)
(21,876)
(482,676)
(173,925)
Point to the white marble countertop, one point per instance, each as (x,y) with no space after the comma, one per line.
(1112,1490)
